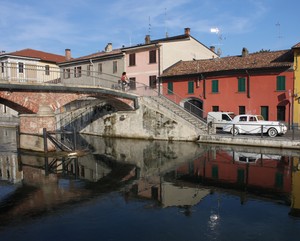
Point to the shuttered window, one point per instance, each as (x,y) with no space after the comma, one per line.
(191,87)
(115,66)
(215,86)
(241,85)
(170,87)
(152,81)
(152,56)
(132,59)
(280,85)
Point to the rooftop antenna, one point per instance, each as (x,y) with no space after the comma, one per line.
(149,27)
(220,38)
(278,30)
(167,35)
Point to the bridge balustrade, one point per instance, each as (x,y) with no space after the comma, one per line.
(46,74)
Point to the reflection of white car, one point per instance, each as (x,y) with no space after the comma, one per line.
(245,157)
(254,124)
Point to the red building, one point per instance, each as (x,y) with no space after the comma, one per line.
(257,83)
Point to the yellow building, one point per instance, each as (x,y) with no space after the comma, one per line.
(295,194)
(296,103)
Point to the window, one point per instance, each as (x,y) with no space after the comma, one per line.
(99,68)
(214,86)
(67,73)
(2,67)
(279,180)
(281,113)
(89,69)
(152,56)
(132,83)
(242,110)
(170,87)
(264,111)
(115,67)
(77,72)
(47,70)
(21,67)
(215,108)
(152,81)
(191,87)
(215,172)
(241,176)
(243,118)
(132,59)
(280,85)
(241,85)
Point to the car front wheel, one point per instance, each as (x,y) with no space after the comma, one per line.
(272,132)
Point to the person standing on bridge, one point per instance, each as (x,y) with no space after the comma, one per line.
(124,80)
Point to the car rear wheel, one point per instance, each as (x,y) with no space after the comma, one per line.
(234,131)
(272,132)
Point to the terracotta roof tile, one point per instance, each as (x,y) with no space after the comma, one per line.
(296,45)
(97,55)
(31,53)
(283,58)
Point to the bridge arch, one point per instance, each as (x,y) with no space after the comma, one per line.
(26,102)
(194,105)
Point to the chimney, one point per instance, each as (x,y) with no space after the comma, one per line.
(68,54)
(147,39)
(187,31)
(108,47)
(212,48)
(245,52)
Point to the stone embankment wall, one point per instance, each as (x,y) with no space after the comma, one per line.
(150,121)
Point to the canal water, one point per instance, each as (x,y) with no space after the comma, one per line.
(120,189)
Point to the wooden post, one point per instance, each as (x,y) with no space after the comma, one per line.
(45,140)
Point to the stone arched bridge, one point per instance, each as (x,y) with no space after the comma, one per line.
(138,115)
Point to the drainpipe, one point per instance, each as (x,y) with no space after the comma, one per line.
(159,79)
(91,61)
(204,89)
(248,84)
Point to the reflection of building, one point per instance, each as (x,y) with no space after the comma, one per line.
(9,170)
(173,195)
(168,193)
(221,167)
(295,205)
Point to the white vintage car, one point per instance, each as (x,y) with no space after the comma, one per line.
(254,124)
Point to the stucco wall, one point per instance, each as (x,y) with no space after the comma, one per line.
(148,122)
(262,93)
(297,87)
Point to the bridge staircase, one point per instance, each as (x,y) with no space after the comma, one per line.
(192,119)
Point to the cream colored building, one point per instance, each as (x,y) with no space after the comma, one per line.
(146,62)
(28,66)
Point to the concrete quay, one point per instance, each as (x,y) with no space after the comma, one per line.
(291,140)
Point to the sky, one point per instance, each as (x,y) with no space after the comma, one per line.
(86,26)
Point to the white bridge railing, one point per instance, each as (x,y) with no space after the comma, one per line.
(45,74)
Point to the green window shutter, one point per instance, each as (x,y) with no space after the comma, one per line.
(280,85)
(279,180)
(191,87)
(241,85)
(170,87)
(215,172)
(241,176)
(215,86)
